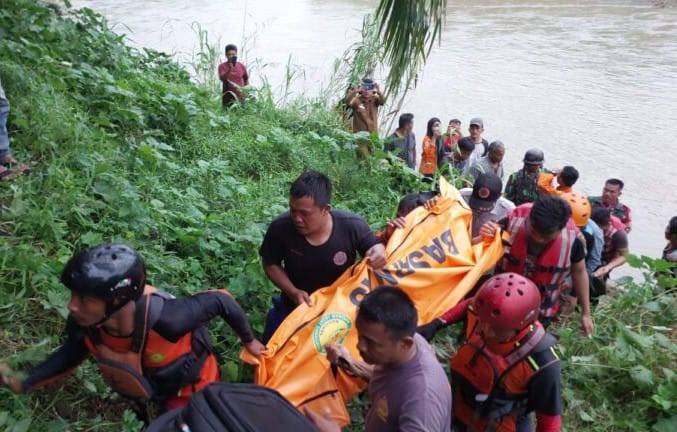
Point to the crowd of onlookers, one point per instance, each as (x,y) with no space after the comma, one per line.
(603,220)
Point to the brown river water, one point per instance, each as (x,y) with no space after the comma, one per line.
(592,83)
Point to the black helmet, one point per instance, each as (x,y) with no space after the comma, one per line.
(114,273)
(534,157)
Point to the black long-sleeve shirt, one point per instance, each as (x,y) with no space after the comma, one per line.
(178,317)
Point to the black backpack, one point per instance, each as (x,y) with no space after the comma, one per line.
(226,407)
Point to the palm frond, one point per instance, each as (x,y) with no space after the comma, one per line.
(408,30)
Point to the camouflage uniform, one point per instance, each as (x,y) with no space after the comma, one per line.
(522,187)
(621,211)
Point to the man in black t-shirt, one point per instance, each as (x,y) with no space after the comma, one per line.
(311,245)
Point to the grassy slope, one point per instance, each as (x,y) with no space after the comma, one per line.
(127,148)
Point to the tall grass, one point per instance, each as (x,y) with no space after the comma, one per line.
(206,59)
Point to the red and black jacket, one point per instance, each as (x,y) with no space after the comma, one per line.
(169,354)
(492,386)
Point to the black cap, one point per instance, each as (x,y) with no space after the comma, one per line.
(368,83)
(485,191)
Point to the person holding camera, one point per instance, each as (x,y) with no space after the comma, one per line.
(234,76)
(364,101)
(451,138)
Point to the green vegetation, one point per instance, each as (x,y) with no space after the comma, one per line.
(623,379)
(127,149)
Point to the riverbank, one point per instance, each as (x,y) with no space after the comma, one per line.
(588,82)
(126,148)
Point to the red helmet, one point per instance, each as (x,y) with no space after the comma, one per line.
(508,301)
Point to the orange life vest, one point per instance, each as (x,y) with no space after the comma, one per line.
(491,385)
(550,270)
(147,366)
(428,156)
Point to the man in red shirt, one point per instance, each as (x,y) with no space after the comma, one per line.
(234,76)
